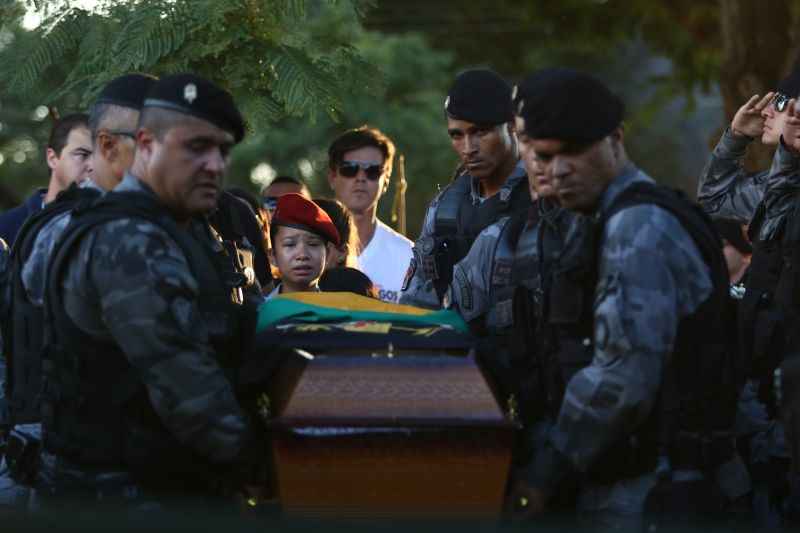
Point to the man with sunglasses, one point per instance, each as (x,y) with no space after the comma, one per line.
(278,187)
(766,201)
(772,305)
(359,166)
(726,189)
(491,183)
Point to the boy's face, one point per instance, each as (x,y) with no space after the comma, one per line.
(300,257)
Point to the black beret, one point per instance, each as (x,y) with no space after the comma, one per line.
(129,90)
(790,85)
(565,104)
(480,96)
(198,97)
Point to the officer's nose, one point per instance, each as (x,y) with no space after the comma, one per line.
(216,162)
(470,144)
(560,168)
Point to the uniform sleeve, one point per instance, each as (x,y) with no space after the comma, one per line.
(651,275)
(149,304)
(468,293)
(726,190)
(417,289)
(784,174)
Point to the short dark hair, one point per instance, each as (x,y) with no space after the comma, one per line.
(347,279)
(159,120)
(286,179)
(359,138)
(343,220)
(62,128)
(112,116)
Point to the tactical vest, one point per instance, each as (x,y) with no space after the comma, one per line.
(23,324)
(228,224)
(766,308)
(458,222)
(697,400)
(96,410)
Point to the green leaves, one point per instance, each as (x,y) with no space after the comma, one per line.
(264,51)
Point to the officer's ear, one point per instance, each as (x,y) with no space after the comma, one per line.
(52,158)
(106,145)
(145,139)
(617,137)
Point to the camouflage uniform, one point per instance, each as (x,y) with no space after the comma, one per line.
(418,289)
(651,275)
(474,279)
(726,189)
(10,494)
(128,283)
(35,268)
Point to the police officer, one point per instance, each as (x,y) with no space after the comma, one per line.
(508,261)
(726,189)
(772,297)
(139,399)
(490,184)
(639,389)
(112,124)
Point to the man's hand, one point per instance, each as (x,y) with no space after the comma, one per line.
(791,128)
(748,120)
(525,502)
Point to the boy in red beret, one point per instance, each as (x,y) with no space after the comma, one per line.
(301,233)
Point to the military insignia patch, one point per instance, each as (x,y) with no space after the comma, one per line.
(412,268)
(190,92)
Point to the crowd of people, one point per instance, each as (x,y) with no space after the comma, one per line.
(644,345)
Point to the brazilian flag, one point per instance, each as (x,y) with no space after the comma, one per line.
(336,320)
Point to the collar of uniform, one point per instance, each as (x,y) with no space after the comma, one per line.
(629,175)
(131,183)
(505,191)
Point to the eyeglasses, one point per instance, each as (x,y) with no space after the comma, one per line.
(349,169)
(123,133)
(270,203)
(780,102)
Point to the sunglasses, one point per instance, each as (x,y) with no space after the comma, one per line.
(349,169)
(780,102)
(270,203)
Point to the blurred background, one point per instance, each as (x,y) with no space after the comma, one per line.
(305,70)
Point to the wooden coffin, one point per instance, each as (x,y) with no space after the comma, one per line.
(407,435)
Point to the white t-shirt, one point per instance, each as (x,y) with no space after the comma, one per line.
(385,260)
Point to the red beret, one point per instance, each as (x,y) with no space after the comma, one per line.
(295,211)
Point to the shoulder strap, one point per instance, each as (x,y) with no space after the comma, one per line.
(23,321)
(693,219)
(117,205)
(446,218)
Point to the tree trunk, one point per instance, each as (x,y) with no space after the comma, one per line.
(757,53)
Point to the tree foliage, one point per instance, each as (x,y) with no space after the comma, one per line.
(268,53)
